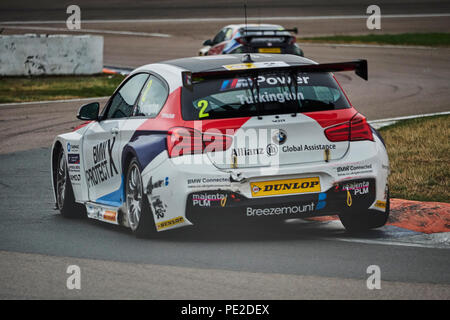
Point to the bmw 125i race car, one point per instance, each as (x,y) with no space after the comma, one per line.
(252,38)
(255,137)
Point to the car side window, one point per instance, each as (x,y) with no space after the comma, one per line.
(228,34)
(220,37)
(123,101)
(152,99)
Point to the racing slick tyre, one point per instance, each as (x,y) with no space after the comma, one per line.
(138,211)
(362,221)
(65,200)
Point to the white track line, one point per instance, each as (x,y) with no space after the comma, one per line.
(221,19)
(386,122)
(51,101)
(127,33)
(389,243)
(354,45)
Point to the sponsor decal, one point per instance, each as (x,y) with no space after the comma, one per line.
(380,204)
(357,188)
(243,83)
(74,168)
(240,152)
(206,199)
(168,115)
(321,203)
(308,147)
(353,169)
(267,64)
(291,209)
(159,208)
(157,184)
(169,223)
(110,215)
(104,167)
(289,186)
(75,178)
(72,147)
(73,158)
(208,181)
(279,137)
(271,150)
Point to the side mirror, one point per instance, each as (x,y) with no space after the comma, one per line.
(208,42)
(89,111)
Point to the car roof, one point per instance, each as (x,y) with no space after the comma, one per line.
(217,62)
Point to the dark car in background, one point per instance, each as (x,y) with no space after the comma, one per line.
(252,38)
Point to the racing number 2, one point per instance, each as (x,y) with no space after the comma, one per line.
(202,104)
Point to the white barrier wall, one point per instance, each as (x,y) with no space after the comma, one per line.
(33,54)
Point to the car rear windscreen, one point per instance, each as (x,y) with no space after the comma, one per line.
(268,94)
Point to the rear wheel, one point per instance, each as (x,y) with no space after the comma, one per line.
(139,214)
(65,199)
(369,219)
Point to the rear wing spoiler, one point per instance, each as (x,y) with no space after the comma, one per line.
(254,69)
(244,31)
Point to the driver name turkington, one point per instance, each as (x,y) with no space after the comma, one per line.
(270,97)
(280,210)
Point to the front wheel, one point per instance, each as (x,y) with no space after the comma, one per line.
(138,210)
(65,199)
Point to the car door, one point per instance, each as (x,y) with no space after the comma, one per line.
(103,143)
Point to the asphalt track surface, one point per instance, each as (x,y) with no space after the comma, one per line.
(284,261)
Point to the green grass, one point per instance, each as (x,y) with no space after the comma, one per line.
(436,39)
(23,89)
(419,155)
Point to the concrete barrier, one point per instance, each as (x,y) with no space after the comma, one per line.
(33,54)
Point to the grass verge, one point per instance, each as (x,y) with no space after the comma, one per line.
(437,39)
(419,154)
(25,89)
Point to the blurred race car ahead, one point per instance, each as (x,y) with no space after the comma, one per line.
(252,38)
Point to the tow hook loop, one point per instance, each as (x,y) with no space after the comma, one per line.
(349,198)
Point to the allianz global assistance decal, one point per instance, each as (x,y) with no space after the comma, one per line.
(290,186)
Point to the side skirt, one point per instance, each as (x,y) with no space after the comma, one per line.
(105,213)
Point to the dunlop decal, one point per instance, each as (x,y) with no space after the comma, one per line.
(380,204)
(169,223)
(290,186)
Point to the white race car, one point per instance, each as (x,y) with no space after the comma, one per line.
(254,137)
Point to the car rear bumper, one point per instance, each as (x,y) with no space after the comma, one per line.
(357,194)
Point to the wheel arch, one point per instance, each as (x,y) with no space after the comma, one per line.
(56,149)
(144,146)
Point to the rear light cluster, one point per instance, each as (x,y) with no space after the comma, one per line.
(357,129)
(184,141)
